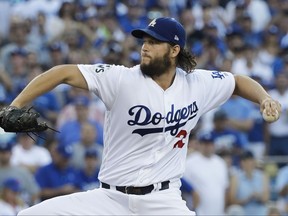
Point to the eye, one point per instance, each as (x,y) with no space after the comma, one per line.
(152,42)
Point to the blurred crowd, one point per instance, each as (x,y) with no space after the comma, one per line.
(237,163)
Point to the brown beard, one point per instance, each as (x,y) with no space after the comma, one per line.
(157,67)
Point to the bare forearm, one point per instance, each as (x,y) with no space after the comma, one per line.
(250,89)
(38,86)
(45,82)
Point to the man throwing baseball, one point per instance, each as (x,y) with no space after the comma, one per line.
(151,109)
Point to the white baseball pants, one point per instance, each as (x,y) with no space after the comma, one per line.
(111,202)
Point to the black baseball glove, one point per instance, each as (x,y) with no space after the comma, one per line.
(13,119)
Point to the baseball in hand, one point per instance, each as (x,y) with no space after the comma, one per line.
(270,118)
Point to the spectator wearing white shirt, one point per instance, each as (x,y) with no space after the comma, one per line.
(28,154)
(208,174)
(249,64)
(29,188)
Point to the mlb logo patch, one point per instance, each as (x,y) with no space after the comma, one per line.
(152,23)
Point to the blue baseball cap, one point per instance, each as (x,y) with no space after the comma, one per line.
(56,46)
(65,150)
(246,155)
(12,184)
(6,145)
(19,52)
(206,137)
(164,29)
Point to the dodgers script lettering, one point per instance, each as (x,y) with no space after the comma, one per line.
(175,119)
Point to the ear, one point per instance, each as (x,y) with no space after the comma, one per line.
(175,50)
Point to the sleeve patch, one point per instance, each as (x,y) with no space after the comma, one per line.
(102,67)
(218,74)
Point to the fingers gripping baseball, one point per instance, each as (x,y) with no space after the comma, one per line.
(271,110)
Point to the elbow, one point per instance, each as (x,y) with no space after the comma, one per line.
(61,72)
(237,80)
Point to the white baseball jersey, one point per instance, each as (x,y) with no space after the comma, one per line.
(146,128)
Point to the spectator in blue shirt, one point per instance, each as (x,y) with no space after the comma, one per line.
(57,178)
(87,142)
(239,113)
(88,175)
(189,194)
(71,130)
(250,37)
(226,138)
(131,16)
(249,187)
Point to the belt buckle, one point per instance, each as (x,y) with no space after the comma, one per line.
(126,189)
(129,190)
(133,190)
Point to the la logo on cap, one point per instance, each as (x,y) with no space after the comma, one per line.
(176,38)
(152,23)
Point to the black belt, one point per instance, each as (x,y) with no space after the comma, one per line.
(137,190)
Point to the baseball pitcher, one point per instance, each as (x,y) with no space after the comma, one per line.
(151,109)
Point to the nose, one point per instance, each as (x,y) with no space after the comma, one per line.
(144,51)
(144,47)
